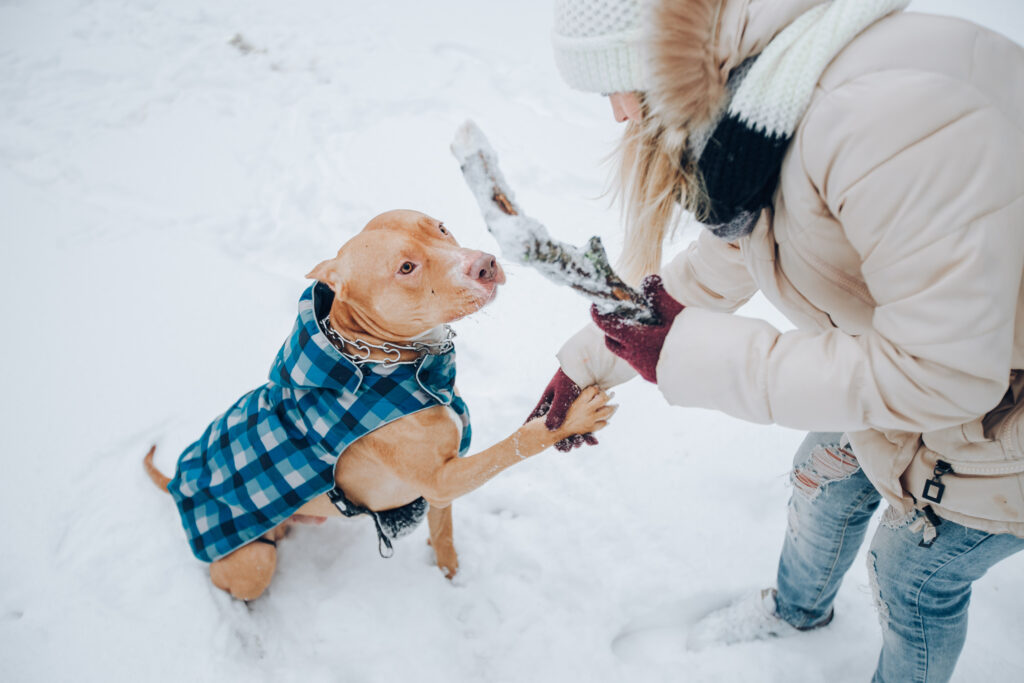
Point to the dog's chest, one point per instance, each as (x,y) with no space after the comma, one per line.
(383,469)
(435,431)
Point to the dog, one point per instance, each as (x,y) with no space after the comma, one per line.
(360,416)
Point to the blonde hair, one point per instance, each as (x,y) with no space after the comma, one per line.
(655,180)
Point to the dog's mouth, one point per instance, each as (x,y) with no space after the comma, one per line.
(478,295)
(478,278)
(490,297)
(482,294)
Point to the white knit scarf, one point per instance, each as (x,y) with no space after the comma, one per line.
(740,153)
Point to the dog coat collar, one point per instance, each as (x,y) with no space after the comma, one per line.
(277,446)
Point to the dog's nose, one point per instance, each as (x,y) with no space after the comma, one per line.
(484,268)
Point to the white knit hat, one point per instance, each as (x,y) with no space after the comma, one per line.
(598,44)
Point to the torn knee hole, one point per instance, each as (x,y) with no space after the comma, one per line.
(824,465)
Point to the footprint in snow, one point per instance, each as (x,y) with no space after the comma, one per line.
(660,635)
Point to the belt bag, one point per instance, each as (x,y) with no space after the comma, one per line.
(975,469)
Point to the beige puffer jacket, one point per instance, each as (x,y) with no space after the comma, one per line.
(895,246)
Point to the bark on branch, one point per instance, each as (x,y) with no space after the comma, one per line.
(525,240)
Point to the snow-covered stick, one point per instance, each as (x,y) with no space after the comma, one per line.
(525,240)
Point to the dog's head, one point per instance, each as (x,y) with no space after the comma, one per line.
(405,274)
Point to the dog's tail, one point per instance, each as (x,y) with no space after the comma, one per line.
(158,477)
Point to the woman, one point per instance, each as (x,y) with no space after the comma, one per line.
(862,168)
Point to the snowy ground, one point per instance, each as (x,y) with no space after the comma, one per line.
(168,173)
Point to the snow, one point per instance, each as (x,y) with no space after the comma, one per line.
(169,173)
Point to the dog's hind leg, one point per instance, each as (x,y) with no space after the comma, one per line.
(246,572)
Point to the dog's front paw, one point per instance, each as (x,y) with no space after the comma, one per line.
(447,560)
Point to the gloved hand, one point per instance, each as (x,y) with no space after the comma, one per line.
(640,344)
(554,402)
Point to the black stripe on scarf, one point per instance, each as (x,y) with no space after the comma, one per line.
(740,169)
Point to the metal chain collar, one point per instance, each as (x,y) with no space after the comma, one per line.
(363,348)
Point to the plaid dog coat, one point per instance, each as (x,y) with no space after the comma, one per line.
(276,447)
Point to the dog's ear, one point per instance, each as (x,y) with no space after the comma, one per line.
(327,273)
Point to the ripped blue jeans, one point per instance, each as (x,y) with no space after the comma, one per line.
(922,592)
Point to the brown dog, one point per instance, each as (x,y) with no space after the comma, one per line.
(399,279)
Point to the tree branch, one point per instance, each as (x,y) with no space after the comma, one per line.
(524,240)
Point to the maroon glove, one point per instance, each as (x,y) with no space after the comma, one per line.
(554,402)
(637,343)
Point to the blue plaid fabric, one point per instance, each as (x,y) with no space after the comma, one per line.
(276,447)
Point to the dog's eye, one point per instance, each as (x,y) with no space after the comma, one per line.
(444,231)
(407,268)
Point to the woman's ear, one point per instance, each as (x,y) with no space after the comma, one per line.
(327,273)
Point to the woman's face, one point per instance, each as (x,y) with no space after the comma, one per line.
(626,106)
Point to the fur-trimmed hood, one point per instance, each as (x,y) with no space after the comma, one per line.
(694,44)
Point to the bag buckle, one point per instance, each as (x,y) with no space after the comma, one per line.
(934,488)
